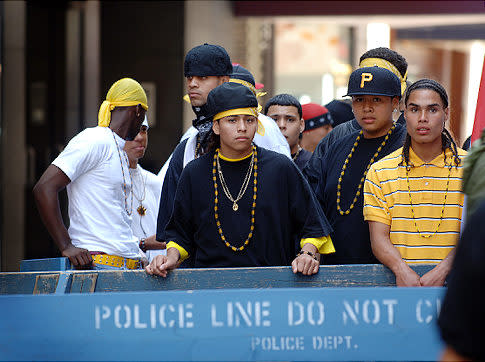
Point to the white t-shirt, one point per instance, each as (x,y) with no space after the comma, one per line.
(147,188)
(97,212)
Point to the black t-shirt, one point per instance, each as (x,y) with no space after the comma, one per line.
(169,188)
(351,232)
(312,170)
(286,211)
(462,315)
(302,158)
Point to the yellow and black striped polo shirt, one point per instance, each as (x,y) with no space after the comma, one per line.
(412,205)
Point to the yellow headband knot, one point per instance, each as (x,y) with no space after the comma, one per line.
(382,63)
(123,93)
(251,87)
(243,82)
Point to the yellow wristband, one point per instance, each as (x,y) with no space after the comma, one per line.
(183,253)
(323,244)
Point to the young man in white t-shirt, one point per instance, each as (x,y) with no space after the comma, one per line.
(95,170)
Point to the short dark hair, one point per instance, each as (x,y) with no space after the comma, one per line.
(284,100)
(387,54)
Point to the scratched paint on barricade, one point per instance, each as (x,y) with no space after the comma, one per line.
(238,324)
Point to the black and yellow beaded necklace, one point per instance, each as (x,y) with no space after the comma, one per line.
(427,236)
(253,167)
(344,167)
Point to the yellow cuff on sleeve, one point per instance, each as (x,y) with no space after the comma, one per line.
(183,253)
(324,244)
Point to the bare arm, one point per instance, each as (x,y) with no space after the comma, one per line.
(390,256)
(46,194)
(152,244)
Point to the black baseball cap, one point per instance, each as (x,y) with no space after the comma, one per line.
(231,96)
(374,81)
(207,60)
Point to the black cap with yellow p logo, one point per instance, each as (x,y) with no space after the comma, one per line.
(374,81)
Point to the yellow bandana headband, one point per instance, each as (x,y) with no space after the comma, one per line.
(382,63)
(123,93)
(250,111)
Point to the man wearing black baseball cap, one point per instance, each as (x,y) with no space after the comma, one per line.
(381,57)
(205,67)
(375,94)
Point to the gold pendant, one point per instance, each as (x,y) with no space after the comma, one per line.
(235,207)
(142,210)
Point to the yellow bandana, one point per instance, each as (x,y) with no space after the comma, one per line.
(382,63)
(125,92)
(233,112)
(248,111)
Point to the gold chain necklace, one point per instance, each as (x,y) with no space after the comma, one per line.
(197,146)
(216,201)
(141,209)
(125,187)
(344,167)
(444,202)
(244,185)
(297,153)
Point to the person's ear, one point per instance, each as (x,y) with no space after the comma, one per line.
(224,79)
(140,111)
(447,115)
(302,125)
(215,127)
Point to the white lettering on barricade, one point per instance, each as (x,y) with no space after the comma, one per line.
(278,343)
(314,313)
(426,311)
(125,316)
(332,342)
(371,311)
(251,314)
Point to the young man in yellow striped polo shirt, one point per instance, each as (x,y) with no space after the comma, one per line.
(412,197)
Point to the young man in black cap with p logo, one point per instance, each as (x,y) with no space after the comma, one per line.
(375,94)
(381,57)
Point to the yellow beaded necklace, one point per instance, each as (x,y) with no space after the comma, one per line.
(216,201)
(442,209)
(344,167)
